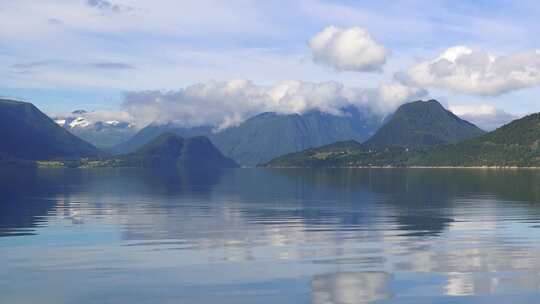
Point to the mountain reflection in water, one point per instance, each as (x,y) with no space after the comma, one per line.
(270,236)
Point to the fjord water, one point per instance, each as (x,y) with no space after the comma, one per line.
(338,236)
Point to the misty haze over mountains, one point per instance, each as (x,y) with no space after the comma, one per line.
(216,106)
(269,135)
(234,114)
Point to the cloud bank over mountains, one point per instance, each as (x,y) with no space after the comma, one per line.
(223,104)
(65,55)
(459,69)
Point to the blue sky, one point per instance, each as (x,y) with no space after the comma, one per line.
(64,55)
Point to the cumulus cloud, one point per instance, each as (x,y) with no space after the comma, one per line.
(350,49)
(464,70)
(228,103)
(484,116)
(387,97)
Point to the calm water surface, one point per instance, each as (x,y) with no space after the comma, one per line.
(270,236)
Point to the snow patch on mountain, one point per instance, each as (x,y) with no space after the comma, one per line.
(101,128)
(79,122)
(81,119)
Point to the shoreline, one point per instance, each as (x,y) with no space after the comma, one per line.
(58,164)
(413,167)
(492,168)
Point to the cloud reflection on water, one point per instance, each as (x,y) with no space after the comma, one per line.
(356,234)
(350,288)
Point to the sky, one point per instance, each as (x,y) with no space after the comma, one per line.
(219,62)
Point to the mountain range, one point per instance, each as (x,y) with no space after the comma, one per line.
(101,133)
(417,134)
(29,134)
(516,144)
(268,135)
(415,128)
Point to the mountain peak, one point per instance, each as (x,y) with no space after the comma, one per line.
(431,104)
(7,101)
(102,133)
(29,134)
(429,101)
(423,123)
(170,149)
(168,144)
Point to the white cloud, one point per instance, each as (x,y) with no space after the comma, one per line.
(387,97)
(350,49)
(104,115)
(464,70)
(485,116)
(228,103)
